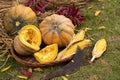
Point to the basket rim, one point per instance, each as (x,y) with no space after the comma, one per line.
(34,63)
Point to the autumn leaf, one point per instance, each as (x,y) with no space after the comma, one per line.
(97,13)
(101,27)
(87,29)
(101,0)
(30,70)
(26,72)
(64,78)
(22,77)
(38,69)
(5,68)
(90,6)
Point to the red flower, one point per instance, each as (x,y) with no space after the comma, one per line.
(26,72)
(37,6)
(73,13)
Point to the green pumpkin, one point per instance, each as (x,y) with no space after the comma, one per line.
(17,17)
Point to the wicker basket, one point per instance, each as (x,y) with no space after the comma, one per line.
(31,61)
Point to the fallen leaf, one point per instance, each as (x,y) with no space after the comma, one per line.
(90,6)
(6,68)
(101,0)
(26,72)
(88,29)
(30,70)
(67,75)
(22,77)
(64,78)
(101,27)
(97,13)
(38,69)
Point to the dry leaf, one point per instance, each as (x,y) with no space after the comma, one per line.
(30,70)
(97,13)
(38,69)
(26,72)
(90,6)
(6,68)
(64,78)
(101,27)
(101,0)
(67,75)
(88,29)
(22,77)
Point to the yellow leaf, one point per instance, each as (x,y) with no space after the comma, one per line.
(22,77)
(90,6)
(101,0)
(64,78)
(6,68)
(101,27)
(38,69)
(97,12)
(67,75)
(30,69)
(87,29)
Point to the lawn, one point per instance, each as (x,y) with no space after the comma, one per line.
(107,67)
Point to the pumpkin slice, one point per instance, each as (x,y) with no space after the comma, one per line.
(68,52)
(47,54)
(28,41)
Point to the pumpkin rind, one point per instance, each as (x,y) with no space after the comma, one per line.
(57,29)
(28,40)
(17,17)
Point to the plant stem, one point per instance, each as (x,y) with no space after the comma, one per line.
(5,61)
(93,58)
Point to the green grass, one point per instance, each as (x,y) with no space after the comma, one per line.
(105,68)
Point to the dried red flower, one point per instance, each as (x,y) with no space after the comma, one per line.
(26,72)
(37,6)
(73,13)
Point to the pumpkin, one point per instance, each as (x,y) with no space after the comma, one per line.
(17,17)
(47,54)
(28,41)
(57,29)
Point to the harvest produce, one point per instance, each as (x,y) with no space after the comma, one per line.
(28,41)
(68,52)
(47,54)
(99,49)
(77,37)
(69,68)
(57,29)
(17,17)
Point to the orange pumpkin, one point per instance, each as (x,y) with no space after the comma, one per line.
(57,29)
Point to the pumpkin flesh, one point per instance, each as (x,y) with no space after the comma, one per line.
(47,54)
(30,36)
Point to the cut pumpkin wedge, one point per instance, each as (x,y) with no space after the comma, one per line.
(47,54)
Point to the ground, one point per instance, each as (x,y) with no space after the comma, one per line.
(106,67)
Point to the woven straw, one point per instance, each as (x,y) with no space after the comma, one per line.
(24,60)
